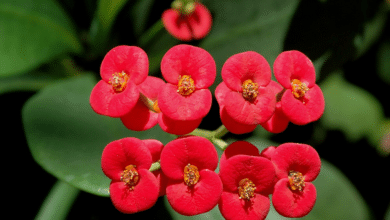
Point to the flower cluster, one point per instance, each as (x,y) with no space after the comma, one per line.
(247,97)
(241,189)
(184,169)
(141,101)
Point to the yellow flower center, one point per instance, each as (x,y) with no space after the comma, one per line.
(297,180)
(246,189)
(130,176)
(186,85)
(298,88)
(250,90)
(119,81)
(191,175)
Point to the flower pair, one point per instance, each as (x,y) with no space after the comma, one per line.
(248,97)
(249,177)
(187,174)
(142,101)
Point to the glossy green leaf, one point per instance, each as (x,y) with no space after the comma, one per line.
(140,13)
(106,13)
(240,26)
(32,33)
(350,109)
(372,30)
(66,137)
(337,198)
(383,63)
(387,215)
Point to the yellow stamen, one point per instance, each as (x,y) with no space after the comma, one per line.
(130,176)
(297,180)
(250,90)
(191,175)
(186,85)
(246,189)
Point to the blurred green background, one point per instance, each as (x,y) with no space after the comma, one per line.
(50,55)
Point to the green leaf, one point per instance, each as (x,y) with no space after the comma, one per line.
(27,82)
(66,137)
(383,63)
(387,215)
(32,33)
(102,22)
(337,198)
(140,14)
(372,30)
(350,109)
(240,26)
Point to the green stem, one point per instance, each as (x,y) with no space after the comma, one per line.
(58,202)
(146,37)
(220,143)
(220,132)
(203,133)
(155,166)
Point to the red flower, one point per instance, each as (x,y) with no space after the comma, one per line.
(296,166)
(248,99)
(278,121)
(187,21)
(303,101)
(247,181)
(133,187)
(193,186)
(177,127)
(189,71)
(155,147)
(142,116)
(238,148)
(122,69)
(230,124)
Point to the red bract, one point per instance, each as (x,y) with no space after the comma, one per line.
(177,127)
(189,71)
(133,187)
(155,147)
(238,148)
(296,166)
(247,181)
(191,21)
(193,186)
(303,101)
(278,121)
(248,99)
(230,124)
(142,116)
(122,69)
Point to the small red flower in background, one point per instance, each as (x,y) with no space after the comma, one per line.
(189,71)
(122,69)
(303,101)
(296,166)
(187,20)
(133,187)
(247,182)
(193,186)
(246,97)
(145,116)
